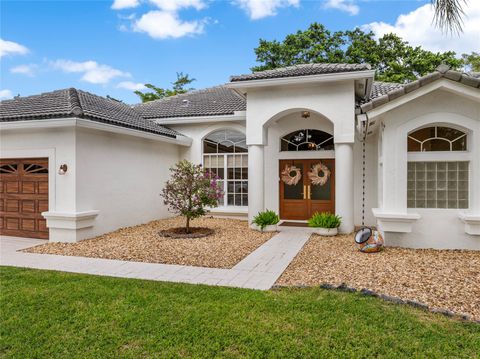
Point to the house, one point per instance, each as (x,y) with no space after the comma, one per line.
(300,139)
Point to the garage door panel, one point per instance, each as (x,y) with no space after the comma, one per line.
(12,205)
(42,206)
(28,187)
(28,224)
(12,187)
(28,206)
(23,197)
(12,223)
(43,187)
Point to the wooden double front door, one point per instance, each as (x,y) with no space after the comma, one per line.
(23,197)
(306,187)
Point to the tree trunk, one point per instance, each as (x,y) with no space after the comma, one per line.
(187,226)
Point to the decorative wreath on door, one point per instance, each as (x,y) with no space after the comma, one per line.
(319,174)
(291,175)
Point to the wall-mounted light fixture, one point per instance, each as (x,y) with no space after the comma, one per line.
(63,169)
(305,114)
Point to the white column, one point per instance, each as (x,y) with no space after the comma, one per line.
(344,185)
(255,180)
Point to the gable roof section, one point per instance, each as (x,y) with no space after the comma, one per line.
(383,93)
(213,101)
(301,70)
(76,103)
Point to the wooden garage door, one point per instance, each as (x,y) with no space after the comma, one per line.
(23,197)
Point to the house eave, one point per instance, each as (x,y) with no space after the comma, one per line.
(284,81)
(83,123)
(237,116)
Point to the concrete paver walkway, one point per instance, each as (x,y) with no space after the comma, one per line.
(259,270)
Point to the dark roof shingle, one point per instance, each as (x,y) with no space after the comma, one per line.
(76,103)
(301,70)
(386,92)
(213,101)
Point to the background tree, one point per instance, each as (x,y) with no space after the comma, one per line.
(189,190)
(394,59)
(471,62)
(179,87)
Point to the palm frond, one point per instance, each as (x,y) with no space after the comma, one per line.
(449,15)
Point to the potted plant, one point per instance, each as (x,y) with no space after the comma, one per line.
(266,221)
(325,223)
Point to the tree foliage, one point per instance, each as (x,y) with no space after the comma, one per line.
(189,190)
(179,87)
(394,59)
(471,62)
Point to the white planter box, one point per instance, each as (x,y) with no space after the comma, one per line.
(269,228)
(326,231)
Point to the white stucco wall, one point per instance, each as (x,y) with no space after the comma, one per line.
(198,131)
(121,177)
(436,228)
(56,144)
(112,181)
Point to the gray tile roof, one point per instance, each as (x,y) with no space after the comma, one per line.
(301,70)
(76,103)
(386,94)
(213,101)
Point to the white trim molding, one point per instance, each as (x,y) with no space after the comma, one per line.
(472,223)
(237,116)
(353,75)
(400,222)
(70,220)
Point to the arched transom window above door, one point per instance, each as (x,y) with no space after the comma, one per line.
(437,138)
(226,154)
(307,140)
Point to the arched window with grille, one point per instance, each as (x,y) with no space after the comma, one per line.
(307,140)
(225,153)
(433,180)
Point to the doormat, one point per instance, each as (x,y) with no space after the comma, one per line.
(294,224)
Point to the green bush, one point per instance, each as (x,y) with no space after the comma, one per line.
(263,219)
(324,220)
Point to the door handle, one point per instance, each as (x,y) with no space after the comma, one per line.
(308,189)
(304,192)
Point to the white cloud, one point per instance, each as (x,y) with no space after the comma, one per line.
(344,5)
(129,85)
(124,4)
(28,70)
(11,48)
(175,5)
(5,94)
(257,9)
(165,25)
(417,28)
(93,72)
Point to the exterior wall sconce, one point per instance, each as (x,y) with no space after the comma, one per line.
(305,114)
(63,169)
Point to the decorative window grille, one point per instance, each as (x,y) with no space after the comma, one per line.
(437,138)
(225,153)
(307,140)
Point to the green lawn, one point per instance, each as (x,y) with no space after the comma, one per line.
(60,315)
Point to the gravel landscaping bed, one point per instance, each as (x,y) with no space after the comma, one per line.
(231,242)
(447,279)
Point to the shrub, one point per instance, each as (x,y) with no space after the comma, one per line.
(263,219)
(325,220)
(189,190)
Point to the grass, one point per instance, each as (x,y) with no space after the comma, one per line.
(61,315)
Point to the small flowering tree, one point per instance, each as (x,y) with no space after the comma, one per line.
(189,190)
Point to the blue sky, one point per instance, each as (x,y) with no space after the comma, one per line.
(109,47)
